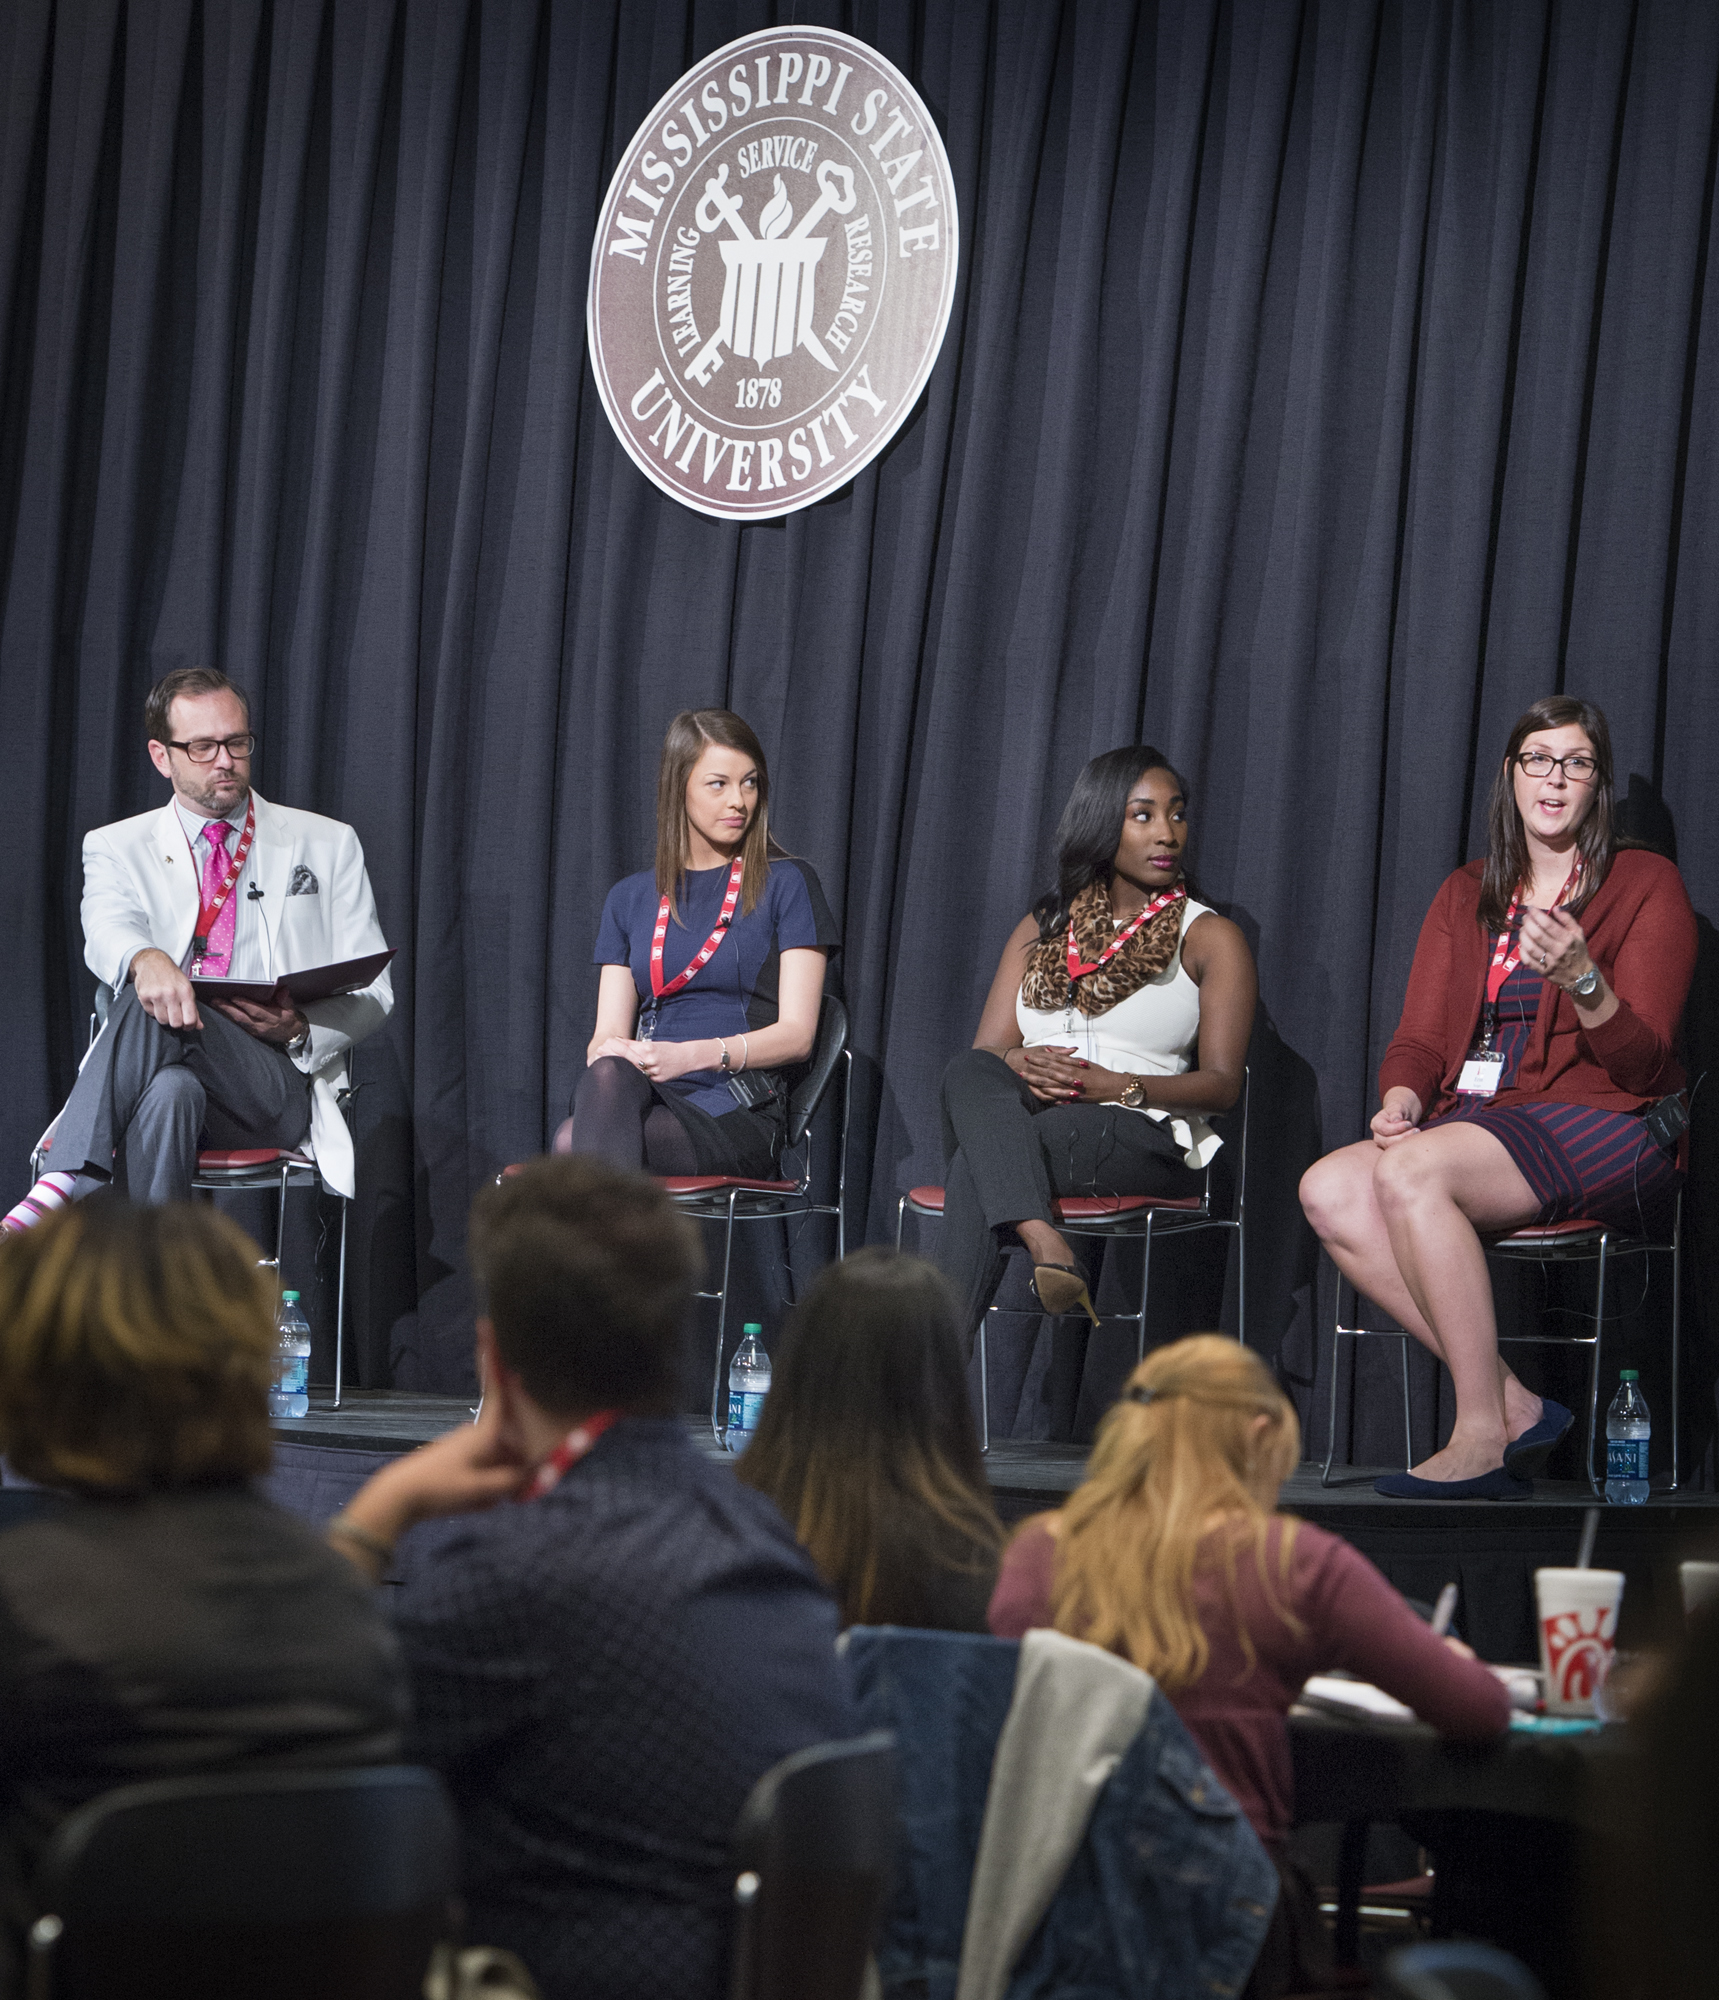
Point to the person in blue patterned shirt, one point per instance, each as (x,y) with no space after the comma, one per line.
(612,1639)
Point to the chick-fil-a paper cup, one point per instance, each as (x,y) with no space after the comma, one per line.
(1578,1618)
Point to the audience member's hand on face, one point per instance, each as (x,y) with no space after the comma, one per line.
(461,1472)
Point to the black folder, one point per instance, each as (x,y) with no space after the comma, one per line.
(317,982)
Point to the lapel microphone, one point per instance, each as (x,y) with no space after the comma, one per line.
(256,895)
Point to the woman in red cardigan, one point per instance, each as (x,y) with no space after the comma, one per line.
(1542,1004)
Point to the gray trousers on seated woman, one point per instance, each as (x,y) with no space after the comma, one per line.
(1009,1154)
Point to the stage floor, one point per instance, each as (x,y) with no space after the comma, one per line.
(1489,1548)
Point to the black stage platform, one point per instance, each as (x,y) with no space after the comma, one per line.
(1489,1548)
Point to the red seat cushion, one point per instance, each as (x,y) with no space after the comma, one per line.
(715,1183)
(228,1160)
(1075,1207)
(1550,1232)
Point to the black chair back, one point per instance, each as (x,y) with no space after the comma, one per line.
(19,1504)
(271,1885)
(1448,1969)
(813,1854)
(814,1077)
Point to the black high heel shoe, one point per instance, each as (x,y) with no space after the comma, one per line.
(1060,1288)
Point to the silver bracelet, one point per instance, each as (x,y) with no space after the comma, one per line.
(745,1053)
(723,1046)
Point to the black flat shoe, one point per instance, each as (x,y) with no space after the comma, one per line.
(1528,1455)
(1060,1288)
(1499,1484)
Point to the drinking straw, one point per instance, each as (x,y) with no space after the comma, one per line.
(1590,1530)
(1445,1610)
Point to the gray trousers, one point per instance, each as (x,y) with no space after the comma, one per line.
(147,1095)
(1009,1154)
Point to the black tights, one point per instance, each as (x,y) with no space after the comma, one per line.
(619,1115)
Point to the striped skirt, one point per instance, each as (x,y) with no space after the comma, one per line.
(1600,1166)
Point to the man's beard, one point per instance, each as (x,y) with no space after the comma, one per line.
(210,802)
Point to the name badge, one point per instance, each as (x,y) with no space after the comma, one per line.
(1481,1074)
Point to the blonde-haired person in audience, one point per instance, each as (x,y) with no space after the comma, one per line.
(1172,1554)
(867,1446)
(158,1616)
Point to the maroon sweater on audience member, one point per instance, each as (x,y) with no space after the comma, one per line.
(1350,1617)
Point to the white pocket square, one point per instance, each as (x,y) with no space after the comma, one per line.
(303,882)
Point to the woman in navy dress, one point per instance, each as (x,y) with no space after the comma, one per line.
(713,973)
(1538,1026)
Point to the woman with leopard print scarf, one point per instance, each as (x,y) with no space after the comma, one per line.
(1119,1017)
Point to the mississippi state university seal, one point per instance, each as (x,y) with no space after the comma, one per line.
(772,273)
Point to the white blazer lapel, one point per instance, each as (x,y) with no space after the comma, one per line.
(271,870)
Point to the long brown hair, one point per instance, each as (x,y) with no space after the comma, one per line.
(1507,868)
(1181,1446)
(689,735)
(866,1443)
(136,1346)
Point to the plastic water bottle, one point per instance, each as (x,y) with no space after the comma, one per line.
(1628,1429)
(748,1385)
(290,1396)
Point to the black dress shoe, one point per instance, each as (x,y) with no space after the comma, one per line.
(1499,1484)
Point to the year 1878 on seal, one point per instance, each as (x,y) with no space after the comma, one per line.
(772,273)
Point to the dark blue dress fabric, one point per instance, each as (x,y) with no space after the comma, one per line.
(601,1676)
(737,991)
(1170,1893)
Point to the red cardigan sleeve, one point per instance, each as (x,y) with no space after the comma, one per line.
(1417,1056)
(1650,974)
(1360,1623)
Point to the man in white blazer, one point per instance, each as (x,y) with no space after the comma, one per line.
(221,880)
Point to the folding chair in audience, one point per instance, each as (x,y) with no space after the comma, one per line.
(270,1886)
(813,1851)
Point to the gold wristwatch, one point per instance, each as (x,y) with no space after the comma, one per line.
(1134,1093)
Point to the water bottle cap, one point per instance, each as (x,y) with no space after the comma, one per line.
(1629,1374)
(289,1298)
(751,1326)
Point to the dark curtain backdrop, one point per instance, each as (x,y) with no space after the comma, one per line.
(1325,382)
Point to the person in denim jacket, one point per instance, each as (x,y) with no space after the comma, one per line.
(1171,1554)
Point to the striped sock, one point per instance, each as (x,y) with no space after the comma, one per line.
(50,1192)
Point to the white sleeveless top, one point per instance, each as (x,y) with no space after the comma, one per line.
(1154,1032)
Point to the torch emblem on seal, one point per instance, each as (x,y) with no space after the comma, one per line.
(768,285)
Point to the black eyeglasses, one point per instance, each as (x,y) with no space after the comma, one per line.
(205,749)
(1579,767)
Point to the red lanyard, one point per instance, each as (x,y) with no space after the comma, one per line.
(208,913)
(567,1454)
(1507,954)
(1078,971)
(707,951)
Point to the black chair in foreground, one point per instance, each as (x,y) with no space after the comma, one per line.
(271,1885)
(813,1853)
(1448,1970)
